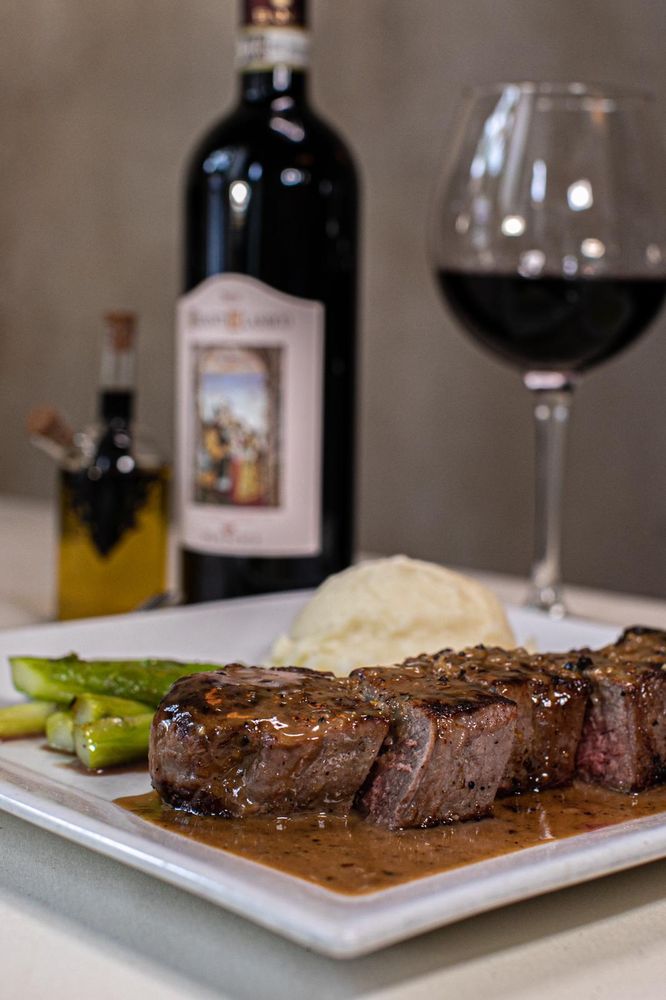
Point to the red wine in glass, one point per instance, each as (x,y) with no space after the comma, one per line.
(552,323)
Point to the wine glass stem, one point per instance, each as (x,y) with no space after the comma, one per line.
(551,411)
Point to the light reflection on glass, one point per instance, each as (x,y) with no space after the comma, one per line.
(482,210)
(569,265)
(282,104)
(281,77)
(462,223)
(290,177)
(653,254)
(513,225)
(239,195)
(579,195)
(490,151)
(217,161)
(478,167)
(539,181)
(592,248)
(290,130)
(531,263)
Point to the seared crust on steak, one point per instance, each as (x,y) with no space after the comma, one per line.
(624,738)
(247,740)
(550,696)
(446,752)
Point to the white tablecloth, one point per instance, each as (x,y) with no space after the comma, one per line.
(76,925)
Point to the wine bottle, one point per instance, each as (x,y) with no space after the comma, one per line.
(267,331)
(113,497)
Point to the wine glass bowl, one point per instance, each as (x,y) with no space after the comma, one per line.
(549,244)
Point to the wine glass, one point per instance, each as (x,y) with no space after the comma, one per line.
(549,244)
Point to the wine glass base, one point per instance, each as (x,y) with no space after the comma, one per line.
(547,599)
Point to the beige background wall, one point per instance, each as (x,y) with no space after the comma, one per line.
(99,103)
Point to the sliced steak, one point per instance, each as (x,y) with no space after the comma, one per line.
(551,698)
(446,752)
(247,740)
(624,737)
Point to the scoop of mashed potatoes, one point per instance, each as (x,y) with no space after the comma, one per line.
(381,612)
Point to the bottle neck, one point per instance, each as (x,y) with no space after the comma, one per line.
(117,368)
(268,85)
(273,51)
(116,406)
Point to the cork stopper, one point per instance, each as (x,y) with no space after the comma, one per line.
(47,422)
(121,326)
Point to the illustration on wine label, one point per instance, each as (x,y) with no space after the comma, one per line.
(250,452)
(237,455)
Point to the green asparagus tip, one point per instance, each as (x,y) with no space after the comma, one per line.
(63,679)
(27,719)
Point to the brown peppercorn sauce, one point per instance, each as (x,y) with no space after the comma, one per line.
(353,856)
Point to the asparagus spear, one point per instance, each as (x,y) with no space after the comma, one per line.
(112,741)
(60,731)
(75,731)
(27,719)
(63,679)
(91,707)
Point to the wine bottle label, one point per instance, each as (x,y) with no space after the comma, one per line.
(249,435)
(264,48)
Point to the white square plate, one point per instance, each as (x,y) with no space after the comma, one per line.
(44,789)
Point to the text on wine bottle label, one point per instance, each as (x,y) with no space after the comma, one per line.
(262,49)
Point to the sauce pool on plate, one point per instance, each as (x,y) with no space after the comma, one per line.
(353,856)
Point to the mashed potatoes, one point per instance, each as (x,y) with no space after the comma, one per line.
(383,611)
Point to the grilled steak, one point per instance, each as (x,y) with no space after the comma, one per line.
(249,740)
(624,737)
(447,750)
(427,742)
(551,698)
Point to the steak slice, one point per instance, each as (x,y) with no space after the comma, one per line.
(446,752)
(551,697)
(624,737)
(248,740)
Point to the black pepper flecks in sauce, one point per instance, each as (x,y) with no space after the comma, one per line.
(349,855)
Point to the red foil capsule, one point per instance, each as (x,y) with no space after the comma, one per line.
(274,13)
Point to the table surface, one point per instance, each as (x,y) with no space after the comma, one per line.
(76,924)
